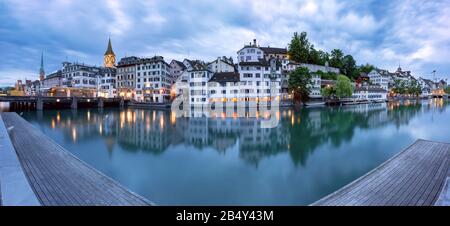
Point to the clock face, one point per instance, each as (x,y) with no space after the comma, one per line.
(110,60)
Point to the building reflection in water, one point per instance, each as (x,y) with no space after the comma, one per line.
(298,134)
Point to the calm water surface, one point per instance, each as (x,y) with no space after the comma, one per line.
(232,161)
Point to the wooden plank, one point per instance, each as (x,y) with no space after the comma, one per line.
(58,177)
(418,179)
(427,182)
(413,177)
(342,196)
(394,178)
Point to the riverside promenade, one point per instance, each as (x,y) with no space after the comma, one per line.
(417,176)
(50,175)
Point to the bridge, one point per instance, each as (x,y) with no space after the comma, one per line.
(45,102)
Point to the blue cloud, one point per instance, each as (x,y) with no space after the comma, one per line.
(385,33)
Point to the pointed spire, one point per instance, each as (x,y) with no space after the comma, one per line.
(109,50)
(42,60)
(41,70)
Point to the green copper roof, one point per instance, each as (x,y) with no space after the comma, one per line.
(41,70)
(109,50)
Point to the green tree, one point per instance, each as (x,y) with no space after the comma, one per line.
(314,56)
(349,67)
(414,88)
(399,87)
(323,57)
(343,87)
(328,92)
(327,75)
(336,59)
(300,84)
(367,68)
(447,90)
(299,48)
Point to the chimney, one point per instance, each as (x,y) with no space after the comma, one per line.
(254,42)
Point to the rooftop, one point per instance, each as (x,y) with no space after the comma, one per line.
(222,77)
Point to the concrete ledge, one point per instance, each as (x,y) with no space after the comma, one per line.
(14,186)
(444,197)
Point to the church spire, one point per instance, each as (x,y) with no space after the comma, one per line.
(109,50)
(41,70)
(109,57)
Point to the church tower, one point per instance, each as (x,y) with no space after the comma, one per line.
(109,57)
(41,70)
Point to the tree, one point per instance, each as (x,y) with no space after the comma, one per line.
(399,87)
(314,56)
(414,88)
(328,92)
(300,84)
(447,90)
(343,87)
(323,57)
(299,48)
(349,67)
(327,75)
(336,59)
(367,68)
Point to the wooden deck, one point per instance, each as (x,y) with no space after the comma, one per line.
(57,177)
(414,177)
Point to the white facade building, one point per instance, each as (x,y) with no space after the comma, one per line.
(250,53)
(126,77)
(107,83)
(153,81)
(176,69)
(52,80)
(427,86)
(79,75)
(222,64)
(198,77)
(369,93)
(380,77)
(256,79)
(260,80)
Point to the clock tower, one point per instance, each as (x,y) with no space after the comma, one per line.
(109,57)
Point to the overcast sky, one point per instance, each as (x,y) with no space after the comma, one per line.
(386,33)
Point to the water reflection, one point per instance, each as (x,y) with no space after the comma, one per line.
(299,132)
(230,160)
